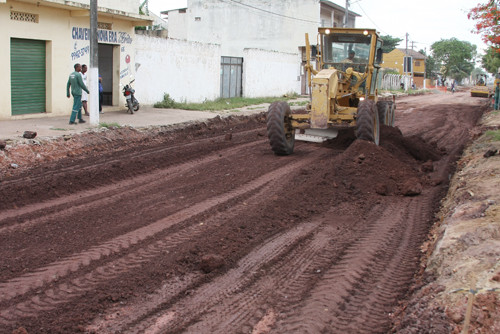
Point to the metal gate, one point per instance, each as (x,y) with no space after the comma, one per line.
(27,72)
(230,77)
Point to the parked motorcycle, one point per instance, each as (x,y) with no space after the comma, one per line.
(132,103)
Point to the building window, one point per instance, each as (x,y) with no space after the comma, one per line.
(25,17)
(104,25)
(417,63)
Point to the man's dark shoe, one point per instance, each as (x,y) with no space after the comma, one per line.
(72,123)
(82,121)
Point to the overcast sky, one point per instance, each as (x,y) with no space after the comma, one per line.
(425,21)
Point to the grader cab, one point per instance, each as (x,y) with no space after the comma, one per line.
(343,91)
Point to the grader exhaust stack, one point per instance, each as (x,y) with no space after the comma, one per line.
(343,91)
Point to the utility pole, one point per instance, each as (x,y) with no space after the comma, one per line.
(346,15)
(405,65)
(94,66)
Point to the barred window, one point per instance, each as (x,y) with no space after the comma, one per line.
(25,17)
(104,25)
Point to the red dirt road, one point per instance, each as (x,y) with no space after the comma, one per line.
(205,230)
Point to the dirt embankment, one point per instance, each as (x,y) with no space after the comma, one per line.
(203,230)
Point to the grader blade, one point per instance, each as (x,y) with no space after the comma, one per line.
(316,135)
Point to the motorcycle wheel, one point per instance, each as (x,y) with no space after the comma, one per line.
(130,106)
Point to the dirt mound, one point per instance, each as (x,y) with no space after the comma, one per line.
(369,168)
(396,167)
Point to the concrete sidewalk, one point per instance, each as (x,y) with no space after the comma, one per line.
(146,116)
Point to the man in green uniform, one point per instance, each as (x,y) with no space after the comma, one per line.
(76,83)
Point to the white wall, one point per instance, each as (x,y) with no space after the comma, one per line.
(190,71)
(187,71)
(270,73)
(236,27)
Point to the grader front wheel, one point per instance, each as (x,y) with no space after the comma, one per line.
(279,129)
(367,121)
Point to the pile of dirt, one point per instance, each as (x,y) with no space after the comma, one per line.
(399,166)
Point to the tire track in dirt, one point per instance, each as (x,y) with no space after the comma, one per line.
(105,195)
(235,298)
(357,293)
(206,296)
(68,290)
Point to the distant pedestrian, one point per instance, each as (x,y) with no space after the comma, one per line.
(76,83)
(101,94)
(85,96)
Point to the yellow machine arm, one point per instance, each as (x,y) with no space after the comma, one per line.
(310,70)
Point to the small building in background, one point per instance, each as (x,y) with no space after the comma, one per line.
(415,66)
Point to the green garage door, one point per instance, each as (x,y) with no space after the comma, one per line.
(27,73)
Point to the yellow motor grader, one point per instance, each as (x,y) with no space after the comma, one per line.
(343,92)
(480,89)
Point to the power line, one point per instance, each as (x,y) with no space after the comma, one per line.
(273,13)
(376,26)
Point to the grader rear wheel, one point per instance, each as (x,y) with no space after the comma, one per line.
(368,127)
(279,129)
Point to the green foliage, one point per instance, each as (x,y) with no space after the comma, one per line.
(389,71)
(491,60)
(220,104)
(493,135)
(390,43)
(167,103)
(431,68)
(455,58)
(109,125)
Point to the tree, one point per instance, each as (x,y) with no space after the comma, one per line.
(389,43)
(487,17)
(431,69)
(491,60)
(455,58)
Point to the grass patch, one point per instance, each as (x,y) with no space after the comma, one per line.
(299,103)
(58,129)
(109,125)
(493,135)
(221,104)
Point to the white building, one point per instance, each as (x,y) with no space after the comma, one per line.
(277,26)
(42,40)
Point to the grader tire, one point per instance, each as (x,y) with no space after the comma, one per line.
(368,127)
(279,130)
